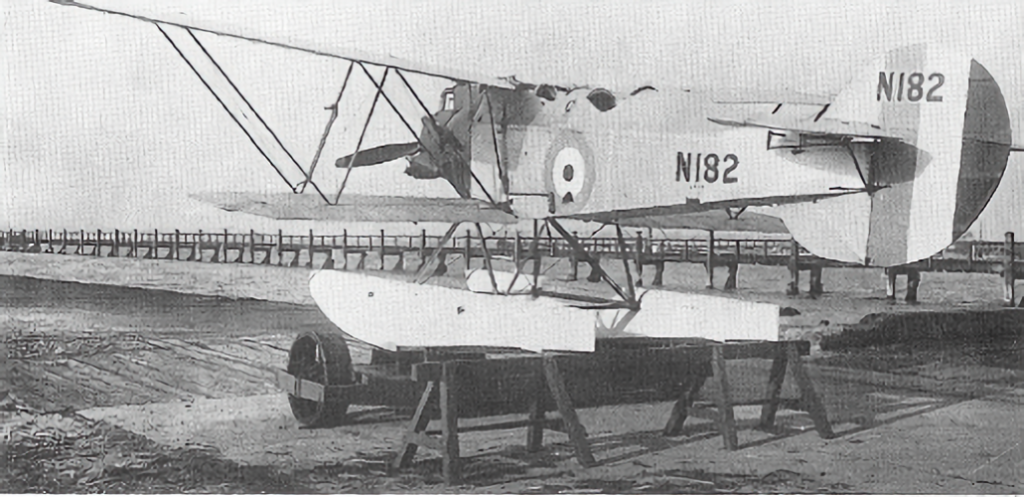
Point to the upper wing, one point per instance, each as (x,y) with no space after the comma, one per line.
(358,208)
(193,17)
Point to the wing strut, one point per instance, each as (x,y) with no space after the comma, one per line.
(487,258)
(230,98)
(536,256)
(253,109)
(366,125)
(625,263)
(431,115)
(502,172)
(856,163)
(380,88)
(421,276)
(327,129)
(630,300)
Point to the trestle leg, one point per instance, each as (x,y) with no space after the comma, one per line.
(723,399)
(577,435)
(774,389)
(535,432)
(690,388)
(450,463)
(809,399)
(417,428)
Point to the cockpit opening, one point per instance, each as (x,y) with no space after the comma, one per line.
(547,92)
(642,89)
(602,99)
(448,99)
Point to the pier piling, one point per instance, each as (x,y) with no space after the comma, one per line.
(1009,274)
(709,262)
(794,269)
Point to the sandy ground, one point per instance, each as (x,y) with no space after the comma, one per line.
(187,380)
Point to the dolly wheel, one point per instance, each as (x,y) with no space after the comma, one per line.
(323,358)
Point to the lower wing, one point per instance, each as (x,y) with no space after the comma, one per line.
(358,208)
(719,220)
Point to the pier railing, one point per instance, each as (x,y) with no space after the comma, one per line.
(281,249)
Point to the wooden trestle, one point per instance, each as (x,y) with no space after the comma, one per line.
(620,371)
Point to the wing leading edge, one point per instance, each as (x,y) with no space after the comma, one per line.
(191,16)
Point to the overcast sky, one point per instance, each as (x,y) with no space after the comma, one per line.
(106,127)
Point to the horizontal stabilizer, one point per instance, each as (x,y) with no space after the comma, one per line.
(358,208)
(810,126)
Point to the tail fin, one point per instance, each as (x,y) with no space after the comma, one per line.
(950,142)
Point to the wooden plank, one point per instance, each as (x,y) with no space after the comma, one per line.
(198,377)
(216,358)
(139,374)
(577,435)
(774,388)
(57,391)
(422,439)
(535,432)
(298,387)
(809,397)
(450,464)
(378,391)
(723,400)
(760,349)
(426,371)
(269,357)
(113,385)
(555,424)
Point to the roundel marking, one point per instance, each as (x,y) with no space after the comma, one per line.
(570,172)
(568,182)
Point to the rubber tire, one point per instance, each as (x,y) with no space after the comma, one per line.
(334,369)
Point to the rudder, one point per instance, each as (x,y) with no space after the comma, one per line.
(947,141)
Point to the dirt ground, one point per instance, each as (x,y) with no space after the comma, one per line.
(142,389)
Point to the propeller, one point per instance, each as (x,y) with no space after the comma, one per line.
(379,155)
(438,153)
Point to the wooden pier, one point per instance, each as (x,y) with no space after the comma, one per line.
(336,251)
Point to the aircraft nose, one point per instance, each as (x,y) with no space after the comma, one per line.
(420,167)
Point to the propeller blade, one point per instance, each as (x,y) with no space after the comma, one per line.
(379,155)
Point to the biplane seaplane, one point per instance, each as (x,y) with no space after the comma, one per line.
(890,170)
